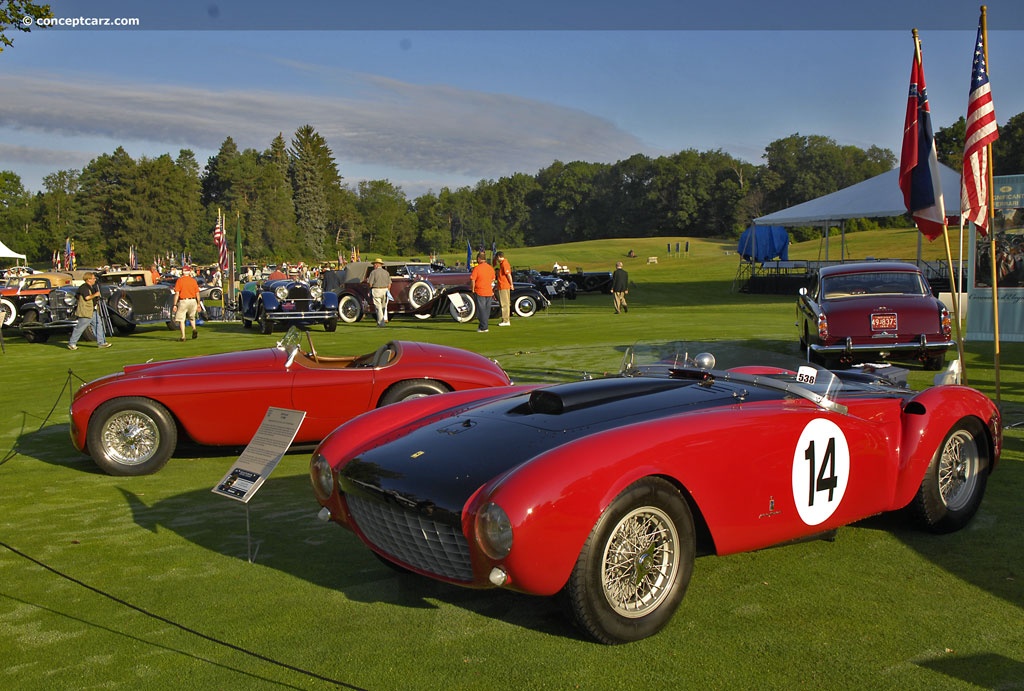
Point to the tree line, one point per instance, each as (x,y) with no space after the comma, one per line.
(291,202)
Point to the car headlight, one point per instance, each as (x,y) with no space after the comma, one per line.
(41,301)
(70,299)
(281,292)
(316,291)
(322,477)
(494,531)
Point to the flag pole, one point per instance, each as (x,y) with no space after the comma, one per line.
(991,226)
(953,285)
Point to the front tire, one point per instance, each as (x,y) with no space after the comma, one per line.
(954,483)
(29,331)
(331,325)
(131,436)
(634,568)
(266,326)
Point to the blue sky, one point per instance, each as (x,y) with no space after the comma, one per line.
(429,96)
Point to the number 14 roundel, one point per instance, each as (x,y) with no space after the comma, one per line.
(821,470)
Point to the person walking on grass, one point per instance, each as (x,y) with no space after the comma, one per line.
(380,284)
(482,280)
(186,302)
(88,312)
(620,288)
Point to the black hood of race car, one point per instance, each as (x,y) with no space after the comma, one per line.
(437,467)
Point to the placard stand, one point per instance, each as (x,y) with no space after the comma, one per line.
(268,446)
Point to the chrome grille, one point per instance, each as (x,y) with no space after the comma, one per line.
(433,547)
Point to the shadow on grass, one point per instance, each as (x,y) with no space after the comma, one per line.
(279,530)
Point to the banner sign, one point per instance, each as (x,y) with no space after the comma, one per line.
(1008,231)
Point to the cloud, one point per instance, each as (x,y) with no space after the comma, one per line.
(371,121)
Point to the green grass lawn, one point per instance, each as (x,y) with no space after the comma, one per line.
(125,583)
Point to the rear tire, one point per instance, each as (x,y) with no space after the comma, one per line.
(412,388)
(349,309)
(10,312)
(525,305)
(954,483)
(468,311)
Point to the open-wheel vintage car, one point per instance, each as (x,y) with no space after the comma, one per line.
(871,311)
(287,302)
(605,490)
(132,421)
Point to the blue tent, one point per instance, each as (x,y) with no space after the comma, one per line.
(764,243)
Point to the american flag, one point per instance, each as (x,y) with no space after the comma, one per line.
(221,243)
(919,162)
(981,131)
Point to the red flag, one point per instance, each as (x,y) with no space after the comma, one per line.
(981,131)
(919,162)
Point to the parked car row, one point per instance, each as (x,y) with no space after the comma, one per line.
(602,491)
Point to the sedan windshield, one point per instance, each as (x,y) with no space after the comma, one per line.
(872,283)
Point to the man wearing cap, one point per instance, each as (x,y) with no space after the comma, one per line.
(380,284)
(186,301)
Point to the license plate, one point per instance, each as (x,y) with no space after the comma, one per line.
(883,322)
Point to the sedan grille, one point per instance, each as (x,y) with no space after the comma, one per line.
(433,547)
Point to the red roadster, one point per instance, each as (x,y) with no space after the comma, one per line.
(605,490)
(130,422)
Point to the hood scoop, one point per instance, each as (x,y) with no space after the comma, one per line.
(563,398)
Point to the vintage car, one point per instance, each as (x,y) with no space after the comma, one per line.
(131,422)
(130,298)
(552,286)
(604,490)
(207,291)
(134,298)
(419,290)
(589,281)
(287,302)
(871,311)
(21,291)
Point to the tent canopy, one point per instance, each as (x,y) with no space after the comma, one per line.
(764,243)
(6,251)
(877,197)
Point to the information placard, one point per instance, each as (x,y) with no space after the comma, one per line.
(261,456)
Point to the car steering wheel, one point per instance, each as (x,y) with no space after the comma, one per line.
(312,350)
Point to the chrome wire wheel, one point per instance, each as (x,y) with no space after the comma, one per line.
(958,470)
(130,437)
(640,561)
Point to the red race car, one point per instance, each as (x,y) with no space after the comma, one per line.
(130,422)
(605,490)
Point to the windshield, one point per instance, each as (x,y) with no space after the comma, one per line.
(873,283)
(756,368)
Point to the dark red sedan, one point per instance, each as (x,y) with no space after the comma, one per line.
(870,311)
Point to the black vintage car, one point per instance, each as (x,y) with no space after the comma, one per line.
(286,301)
(550,285)
(590,281)
(129,302)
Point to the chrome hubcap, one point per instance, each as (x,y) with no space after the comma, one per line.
(130,437)
(958,470)
(640,562)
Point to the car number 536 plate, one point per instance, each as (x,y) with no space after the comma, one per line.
(883,322)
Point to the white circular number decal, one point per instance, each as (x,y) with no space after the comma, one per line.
(821,468)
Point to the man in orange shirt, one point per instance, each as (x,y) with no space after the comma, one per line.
(504,271)
(482,280)
(186,302)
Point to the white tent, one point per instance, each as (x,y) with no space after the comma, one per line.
(877,197)
(6,251)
